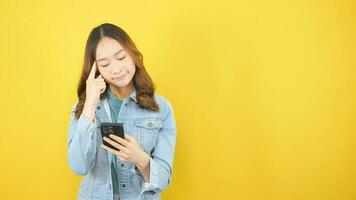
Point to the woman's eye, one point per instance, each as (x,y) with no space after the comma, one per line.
(104,65)
(121,58)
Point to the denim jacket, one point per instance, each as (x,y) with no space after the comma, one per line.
(155,132)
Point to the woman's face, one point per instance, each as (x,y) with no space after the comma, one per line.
(114,63)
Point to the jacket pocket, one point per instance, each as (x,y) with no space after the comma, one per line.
(148,130)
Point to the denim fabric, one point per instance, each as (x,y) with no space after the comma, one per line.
(154,131)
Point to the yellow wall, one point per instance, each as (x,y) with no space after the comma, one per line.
(263,91)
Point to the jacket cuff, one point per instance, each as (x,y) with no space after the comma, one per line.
(87,134)
(153,183)
(86,126)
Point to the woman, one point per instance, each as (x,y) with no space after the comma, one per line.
(115,87)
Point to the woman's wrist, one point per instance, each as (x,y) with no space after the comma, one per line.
(89,111)
(143,161)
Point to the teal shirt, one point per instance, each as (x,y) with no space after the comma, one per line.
(115,106)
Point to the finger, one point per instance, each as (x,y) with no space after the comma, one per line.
(121,155)
(99,81)
(99,78)
(129,137)
(123,142)
(115,144)
(92,71)
(102,90)
(113,151)
(102,87)
(100,84)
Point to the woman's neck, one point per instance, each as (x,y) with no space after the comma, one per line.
(121,92)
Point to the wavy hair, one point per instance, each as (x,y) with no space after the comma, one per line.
(142,81)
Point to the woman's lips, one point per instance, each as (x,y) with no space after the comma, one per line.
(119,78)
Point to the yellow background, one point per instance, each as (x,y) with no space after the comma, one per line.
(263,92)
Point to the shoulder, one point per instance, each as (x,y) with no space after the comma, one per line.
(163,104)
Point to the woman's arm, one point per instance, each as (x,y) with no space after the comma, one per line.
(81,144)
(82,141)
(160,163)
(143,166)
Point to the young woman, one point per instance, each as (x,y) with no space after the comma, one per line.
(115,87)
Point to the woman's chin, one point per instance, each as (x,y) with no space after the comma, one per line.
(123,83)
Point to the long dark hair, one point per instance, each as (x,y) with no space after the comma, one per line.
(142,81)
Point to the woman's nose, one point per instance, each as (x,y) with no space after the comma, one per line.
(117,69)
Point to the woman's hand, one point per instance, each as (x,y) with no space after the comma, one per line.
(94,87)
(130,151)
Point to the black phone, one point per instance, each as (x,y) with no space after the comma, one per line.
(112,128)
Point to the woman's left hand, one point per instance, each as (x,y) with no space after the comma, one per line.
(129,150)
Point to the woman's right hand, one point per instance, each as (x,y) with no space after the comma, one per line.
(94,87)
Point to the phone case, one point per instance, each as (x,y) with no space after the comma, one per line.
(112,128)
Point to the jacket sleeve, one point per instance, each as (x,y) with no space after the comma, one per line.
(161,160)
(81,144)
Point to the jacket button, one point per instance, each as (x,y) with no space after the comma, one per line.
(122,165)
(98,107)
(150,124)
(123,185)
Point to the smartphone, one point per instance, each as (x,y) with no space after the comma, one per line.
(112,128)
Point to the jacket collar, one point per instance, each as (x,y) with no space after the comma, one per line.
(133,95)
(103,109)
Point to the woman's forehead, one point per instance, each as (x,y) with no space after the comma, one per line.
(107,47)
